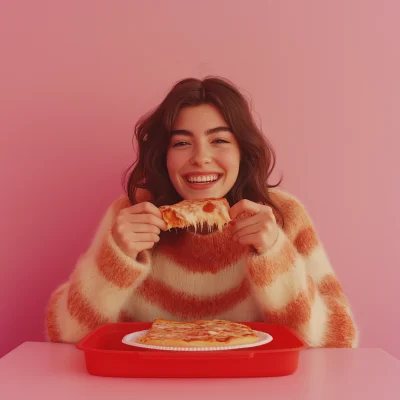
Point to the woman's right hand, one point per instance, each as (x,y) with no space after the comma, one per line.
(137,228)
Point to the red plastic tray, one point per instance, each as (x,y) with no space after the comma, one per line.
(106,355)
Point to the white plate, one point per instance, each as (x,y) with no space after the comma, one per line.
(131,339)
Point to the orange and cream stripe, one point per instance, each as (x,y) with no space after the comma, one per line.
(188,276)
(296,285)
(101,283)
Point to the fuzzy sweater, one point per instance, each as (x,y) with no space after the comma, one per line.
(189,276)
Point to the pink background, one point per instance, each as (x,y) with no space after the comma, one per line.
(76,75)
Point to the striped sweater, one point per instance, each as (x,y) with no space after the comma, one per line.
(190,276)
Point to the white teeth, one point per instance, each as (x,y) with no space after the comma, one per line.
(202,179)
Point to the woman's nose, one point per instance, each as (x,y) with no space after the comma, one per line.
(200,156)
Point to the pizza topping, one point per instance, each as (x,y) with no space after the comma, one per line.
(209,207)
(197,213)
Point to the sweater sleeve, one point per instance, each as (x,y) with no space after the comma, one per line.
(296,285)
(102,281)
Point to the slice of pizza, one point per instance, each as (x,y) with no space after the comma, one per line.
(198,212)
(202,333)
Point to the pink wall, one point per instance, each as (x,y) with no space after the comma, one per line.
(75,76)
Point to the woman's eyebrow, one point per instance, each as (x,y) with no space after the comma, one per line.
(186,132)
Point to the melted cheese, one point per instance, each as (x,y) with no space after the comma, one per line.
(191,213)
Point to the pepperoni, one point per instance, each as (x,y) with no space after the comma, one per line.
(209,207)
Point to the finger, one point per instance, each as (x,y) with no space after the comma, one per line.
(146,246)
(251,240)
(265,216)
(144,237)
(147,219)
(144,228)
(136,248)
(243,223)
(247,230)
(144,208)
(244,206)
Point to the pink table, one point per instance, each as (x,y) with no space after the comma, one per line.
(57,371)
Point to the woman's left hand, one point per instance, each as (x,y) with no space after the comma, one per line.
(259,230)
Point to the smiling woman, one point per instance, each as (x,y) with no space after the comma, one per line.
(203,157)
(197,121)
(266,264)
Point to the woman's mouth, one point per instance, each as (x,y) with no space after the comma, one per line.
(202,181)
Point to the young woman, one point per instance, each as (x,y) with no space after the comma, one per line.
(267,265)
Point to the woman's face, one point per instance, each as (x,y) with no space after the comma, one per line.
(203,156)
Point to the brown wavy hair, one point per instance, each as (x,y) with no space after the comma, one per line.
(153,133)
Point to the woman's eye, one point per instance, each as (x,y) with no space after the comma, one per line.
(179,144)
(220,141)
